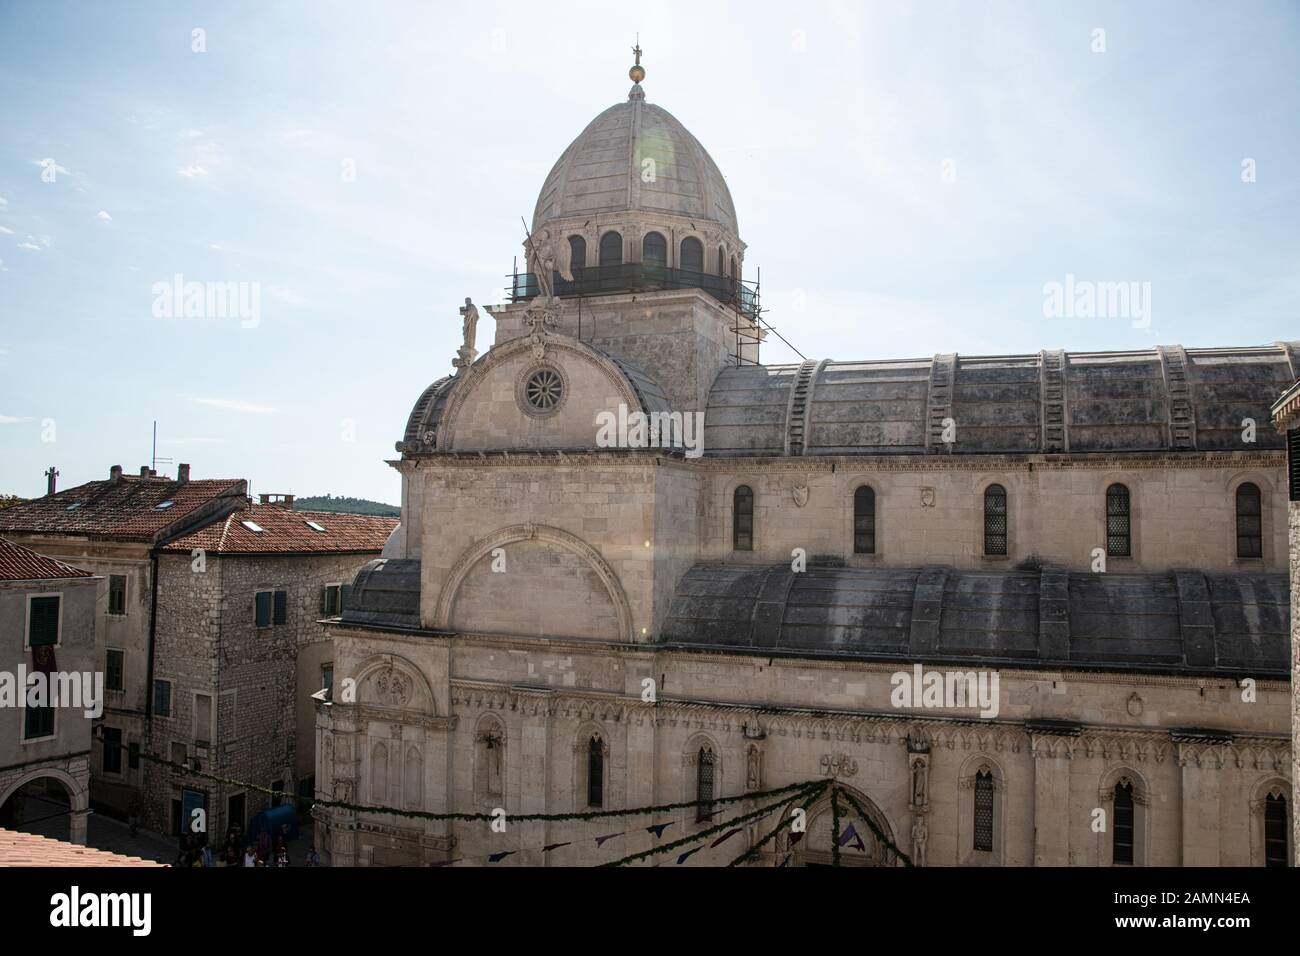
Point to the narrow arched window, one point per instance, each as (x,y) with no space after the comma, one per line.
(611,249)
(1119,532)
(722,261)
(995,520)
(1275,830)
(1122,832)
(704,785)
(1250,540)
(692,257)
(984,811)
(864,520)
(742,519)
(654,250)
(595,773)
(735,269)
(577,254)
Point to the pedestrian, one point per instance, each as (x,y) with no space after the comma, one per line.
(250,858)
(313,858)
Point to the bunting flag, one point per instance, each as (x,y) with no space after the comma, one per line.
(555,846)
(725,837)
(850,833)
(43,659)
(498,857)
(600,840)
(658,828)
(689,853)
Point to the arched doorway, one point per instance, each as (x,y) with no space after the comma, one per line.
(859,845)
(45,804)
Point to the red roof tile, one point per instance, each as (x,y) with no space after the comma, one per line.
(285,531)
(126,508)
(19,564)
(28,849)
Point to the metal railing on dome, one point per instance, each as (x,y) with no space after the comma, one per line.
(641,277)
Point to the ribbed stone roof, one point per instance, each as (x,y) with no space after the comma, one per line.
(603,170)
(1181,621)
(1164,399)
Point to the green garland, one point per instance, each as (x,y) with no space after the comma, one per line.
(703,834)
(754,850)
(866,818)
(835,826)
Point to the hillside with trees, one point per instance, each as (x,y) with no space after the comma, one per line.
(346,505)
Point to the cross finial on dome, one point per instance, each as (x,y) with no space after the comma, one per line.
(637,73)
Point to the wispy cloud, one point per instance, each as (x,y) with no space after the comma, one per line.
(10,420)
(50,163)
(5,230)
(103,216)
(192,172)
(30,246)
(191,441)
(230,404)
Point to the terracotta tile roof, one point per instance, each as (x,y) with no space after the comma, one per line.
(28,849)
(285,531)
(19,564)
(127,508)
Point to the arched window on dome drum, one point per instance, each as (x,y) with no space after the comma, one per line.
(577,254)
(995,520)
(692,256)
(704,785)
(984,811)
(1250,541)
(654,250)
(1122,836)
(611,249)
(864,520)
(1119,530)
(735,269)
(742,519)
(1275,830)
(722,261)
(595,773)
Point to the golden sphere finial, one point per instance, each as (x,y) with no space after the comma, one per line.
(637,73)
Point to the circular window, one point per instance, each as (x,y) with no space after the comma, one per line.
(544,389)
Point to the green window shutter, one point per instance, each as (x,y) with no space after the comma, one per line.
(281,607)
(162,698)
(37,722)
(113,670)
(117,594)
(343,597)
(263,604)
(43,629)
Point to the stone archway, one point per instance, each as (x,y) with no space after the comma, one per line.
(860,846)
(49,802)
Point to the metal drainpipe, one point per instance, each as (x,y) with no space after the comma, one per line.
(153,631)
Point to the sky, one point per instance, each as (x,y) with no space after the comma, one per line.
(910,178)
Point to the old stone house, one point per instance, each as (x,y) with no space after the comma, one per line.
(568,623)
(47,624)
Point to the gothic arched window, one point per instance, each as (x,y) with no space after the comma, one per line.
(1250,540)
(654,250)
(577,254)
(984,811)
(490,769)
(742,519)
(692,256)
(1119,532)
(995,520)
(735,270)
(611,249)
(1123,829)
(864,520)
(722,261)
(1275,830)
(595,772)
(704,784)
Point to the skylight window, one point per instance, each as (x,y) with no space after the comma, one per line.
(252,526)
(315,527)
(74,506)
(163,506)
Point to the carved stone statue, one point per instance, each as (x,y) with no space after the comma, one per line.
(920,835)
(920,781)
(470,324)
(753,768)
(541,261)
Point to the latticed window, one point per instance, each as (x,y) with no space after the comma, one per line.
(864,520)
(654,250)
(611,249)
(1293,463)
(742,519)
(1250,542)
(1275,830)
(984,811)
(692,257)
(995,520)
(1119,534)
(1122,839)
(704,785)
(577,254)
(595,773)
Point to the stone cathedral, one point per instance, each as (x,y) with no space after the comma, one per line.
(564,624)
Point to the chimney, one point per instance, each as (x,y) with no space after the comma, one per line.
(51,478)
(288,502)
(144,471)
(115,473)
(182,473)
(264,499)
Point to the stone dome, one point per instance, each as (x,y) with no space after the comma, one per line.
(605,170)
